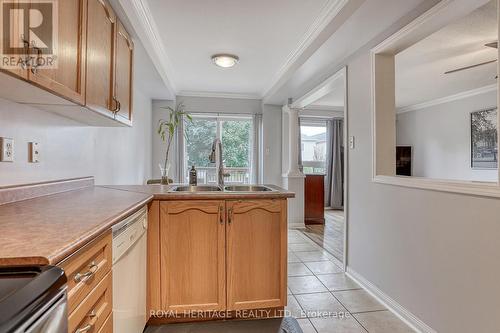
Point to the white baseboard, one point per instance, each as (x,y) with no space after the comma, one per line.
(409,318)
(296,225)
(295,222)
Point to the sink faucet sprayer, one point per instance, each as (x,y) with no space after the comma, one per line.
(216,157)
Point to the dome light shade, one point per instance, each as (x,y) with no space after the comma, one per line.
(225,60)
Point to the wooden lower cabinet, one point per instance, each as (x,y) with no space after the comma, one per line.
(256,254)
(193,263)
(217,255)
(90,287)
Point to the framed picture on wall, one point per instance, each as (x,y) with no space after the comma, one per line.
(484,139)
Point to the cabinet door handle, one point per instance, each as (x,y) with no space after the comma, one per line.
(118,106)
(85,328)
(230,216)
(82,277)
(221,215)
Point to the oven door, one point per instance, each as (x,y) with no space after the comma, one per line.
(51,319)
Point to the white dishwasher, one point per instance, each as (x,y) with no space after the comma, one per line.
(129,273)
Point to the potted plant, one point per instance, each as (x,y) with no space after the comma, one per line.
(167,130)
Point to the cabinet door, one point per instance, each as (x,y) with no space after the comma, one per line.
(192,255)
(21,55)
(67,79)
(123,74)
(101,24)
(256,254)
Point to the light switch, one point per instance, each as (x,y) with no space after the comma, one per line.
(351,142)
(6,150)
(34,152)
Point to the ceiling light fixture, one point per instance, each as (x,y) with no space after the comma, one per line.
(225,60)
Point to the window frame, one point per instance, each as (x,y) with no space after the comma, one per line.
(383,108)
(312,121)
(219,119)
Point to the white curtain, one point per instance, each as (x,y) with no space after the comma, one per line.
(257,165)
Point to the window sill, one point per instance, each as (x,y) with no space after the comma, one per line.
(484,189)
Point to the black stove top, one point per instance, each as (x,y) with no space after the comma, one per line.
(10,282)
(25,290)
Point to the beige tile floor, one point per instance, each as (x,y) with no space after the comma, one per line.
(325,300)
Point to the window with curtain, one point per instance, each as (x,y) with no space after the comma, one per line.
(237,136)
(313,136)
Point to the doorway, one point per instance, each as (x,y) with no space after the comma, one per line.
(323,158)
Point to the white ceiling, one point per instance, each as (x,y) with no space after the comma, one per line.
(333,100)
(263,33)
(420,68)
(368,25)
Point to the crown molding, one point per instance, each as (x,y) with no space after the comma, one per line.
(218,95)
(321,90)
(312,40)
(448,99)
(142,21)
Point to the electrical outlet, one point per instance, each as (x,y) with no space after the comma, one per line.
(34,152)
(6,150)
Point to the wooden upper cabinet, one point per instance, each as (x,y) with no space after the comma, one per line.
(192,252)
(256,254)
(67,78)
(124,57)
(19,70)
(101,29)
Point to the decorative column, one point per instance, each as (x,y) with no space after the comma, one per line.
(293,178)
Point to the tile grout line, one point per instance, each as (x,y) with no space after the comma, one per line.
(352,315)
(331,293)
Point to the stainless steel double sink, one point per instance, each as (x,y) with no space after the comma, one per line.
(229,188)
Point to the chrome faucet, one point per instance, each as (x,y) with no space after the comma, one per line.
(216,157)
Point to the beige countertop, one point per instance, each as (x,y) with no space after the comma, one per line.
(49,228)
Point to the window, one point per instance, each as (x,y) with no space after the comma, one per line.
(313,146)
(236,134)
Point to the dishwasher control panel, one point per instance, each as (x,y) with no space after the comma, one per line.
(126,233)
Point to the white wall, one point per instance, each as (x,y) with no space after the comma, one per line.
(440,136)
(271,120)
(220,105)
(70,149)
(435,253)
